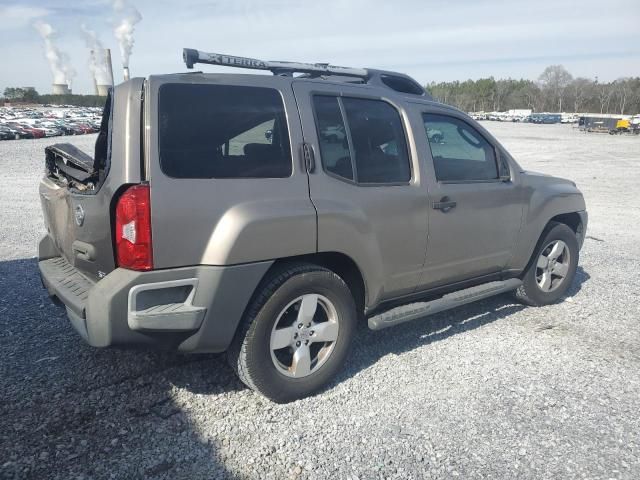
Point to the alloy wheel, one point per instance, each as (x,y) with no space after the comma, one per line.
(304,335)
(552,266)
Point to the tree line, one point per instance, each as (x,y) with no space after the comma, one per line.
(555,91)
(31,95)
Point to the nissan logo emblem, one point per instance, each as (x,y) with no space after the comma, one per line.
(78,213)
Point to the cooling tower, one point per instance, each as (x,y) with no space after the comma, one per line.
(60,89)
(103,90)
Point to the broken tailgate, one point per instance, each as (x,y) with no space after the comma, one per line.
(78,191)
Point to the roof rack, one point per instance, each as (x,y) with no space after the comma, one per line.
(393,80)
(192,56)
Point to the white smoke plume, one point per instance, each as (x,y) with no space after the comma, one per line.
(128,16)
(59,63)
(97,58)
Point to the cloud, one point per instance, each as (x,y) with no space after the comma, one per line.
(19,16)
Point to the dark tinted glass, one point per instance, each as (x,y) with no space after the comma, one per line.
(379,144)
(222,131)
(459,152)
(332,137)
(101,148)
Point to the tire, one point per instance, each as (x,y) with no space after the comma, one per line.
(537,289)
(277,306)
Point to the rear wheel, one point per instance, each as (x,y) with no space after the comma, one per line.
(296,333)
(552,268)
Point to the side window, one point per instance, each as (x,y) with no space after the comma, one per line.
(459,152)
(369,147)
(223,131)
(332,135)
(379,144)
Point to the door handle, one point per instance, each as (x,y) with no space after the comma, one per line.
(444,205)
(309,157)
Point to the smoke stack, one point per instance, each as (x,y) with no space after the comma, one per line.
(104,86)
(125,73)
(60,89)
(92,53)
(107,53)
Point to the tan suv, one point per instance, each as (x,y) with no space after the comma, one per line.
(264,215)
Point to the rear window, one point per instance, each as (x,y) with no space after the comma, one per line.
(223,131)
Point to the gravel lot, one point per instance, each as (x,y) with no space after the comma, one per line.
(490,390)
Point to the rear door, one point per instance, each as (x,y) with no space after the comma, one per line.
(476,201)
(366,184)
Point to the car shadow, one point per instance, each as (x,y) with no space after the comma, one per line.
(69,410)
(369,346)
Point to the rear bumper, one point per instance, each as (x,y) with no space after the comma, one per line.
(192,309)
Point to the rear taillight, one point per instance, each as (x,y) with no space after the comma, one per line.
(133,229)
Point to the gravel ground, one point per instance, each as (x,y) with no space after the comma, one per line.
(490,390)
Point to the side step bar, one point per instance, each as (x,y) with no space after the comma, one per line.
(413,311)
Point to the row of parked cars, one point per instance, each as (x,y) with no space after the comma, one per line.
(38,122)
(526,117)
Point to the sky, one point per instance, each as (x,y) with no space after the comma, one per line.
(431,41)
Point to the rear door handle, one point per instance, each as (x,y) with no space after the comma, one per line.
(444,205)
(309,157)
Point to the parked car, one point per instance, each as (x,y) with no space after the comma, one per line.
(8,134)
(83,128)
(66,128)
(193,232)
(33,131)
(24,131)
(49,130)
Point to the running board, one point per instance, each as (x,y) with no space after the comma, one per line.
(413,311)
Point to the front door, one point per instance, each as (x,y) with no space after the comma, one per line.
(365,185)
(476,202)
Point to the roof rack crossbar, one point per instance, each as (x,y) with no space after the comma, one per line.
(192,56)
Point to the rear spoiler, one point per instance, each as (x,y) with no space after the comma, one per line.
(72,162)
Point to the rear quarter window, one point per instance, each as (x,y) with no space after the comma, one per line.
(223,131)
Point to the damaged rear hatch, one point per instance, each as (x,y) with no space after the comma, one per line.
(78,190)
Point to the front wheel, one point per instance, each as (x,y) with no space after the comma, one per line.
(552,268)
(296,333)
